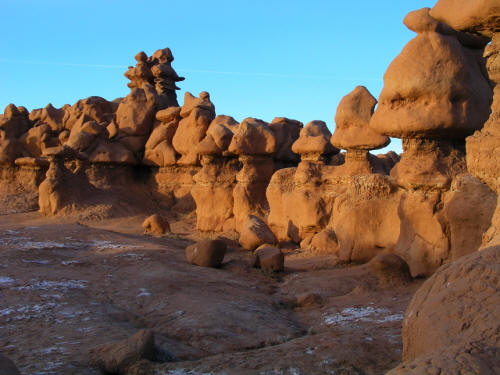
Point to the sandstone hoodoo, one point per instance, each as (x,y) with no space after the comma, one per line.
(359,232)
(352,132)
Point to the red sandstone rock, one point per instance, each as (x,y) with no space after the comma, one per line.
(95,107)
(269,258)
(253,137)
(390,270)
(135,114)
(286,132)
(452,102)
(255,232)
(477,17)
(156,225)
(206,253)
(115,358)
(309,300)
(112,153)
(457,306)
(352,120)
(196,113)
(314,141)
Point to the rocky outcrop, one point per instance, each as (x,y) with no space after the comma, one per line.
(197,114)
(118,357)
(453,316)
(254,143)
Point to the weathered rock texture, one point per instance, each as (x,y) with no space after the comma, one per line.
(452,321)
(282,181)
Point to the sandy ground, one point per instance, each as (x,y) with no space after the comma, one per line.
(67,287)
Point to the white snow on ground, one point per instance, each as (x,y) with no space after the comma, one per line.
(5,280)
(362,314)
(54,285)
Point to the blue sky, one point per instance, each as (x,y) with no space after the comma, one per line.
(257,58)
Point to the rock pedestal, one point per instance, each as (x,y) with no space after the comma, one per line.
(353,134)
(254,143)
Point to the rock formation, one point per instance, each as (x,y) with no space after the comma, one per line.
(452,321)
(254,143)
(214,183)
(206,253)
(353,134)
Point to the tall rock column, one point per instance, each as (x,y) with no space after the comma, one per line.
(299,203)
(481,19)
(254,143)
(435,94)
(214,183)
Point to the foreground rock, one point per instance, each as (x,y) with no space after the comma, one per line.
(206,253)
(457,308)
(7,367)
(269,258)
(116,358)
(156,225)
(255,232)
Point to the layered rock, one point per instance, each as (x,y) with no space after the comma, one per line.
(432,113)
(483,148)
(214,183)
(196,114)
(352,133)
(254,143)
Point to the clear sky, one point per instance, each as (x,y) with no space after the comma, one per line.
(256,58)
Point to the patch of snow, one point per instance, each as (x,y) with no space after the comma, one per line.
(36,261)
(363,314)
(39,245)
(54,285)
(143,293)
(68,262)
(309,350)
(6,280)
(103,245)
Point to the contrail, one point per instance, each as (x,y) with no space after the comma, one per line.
(232,73)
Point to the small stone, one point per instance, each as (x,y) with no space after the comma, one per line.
(156,225)
(206,253)
(269,258)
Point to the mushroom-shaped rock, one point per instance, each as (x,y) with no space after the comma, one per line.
(255,232)
(269,258)
(435,88)
(314,141)
(477,17)
(253,137)
(352,120)
(286,131)
(156,225)
(116,358)
(206,253)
